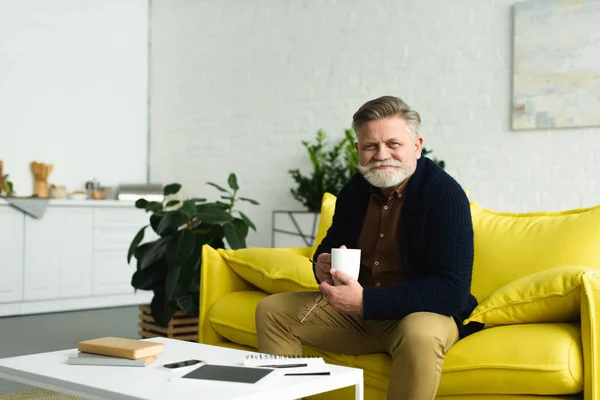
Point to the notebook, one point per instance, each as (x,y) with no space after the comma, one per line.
(97,359)
(228,373)
(120,347)
(291,365)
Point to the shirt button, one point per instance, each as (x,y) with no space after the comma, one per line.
(377,284)
(381,235)
(385,207)
(376,263)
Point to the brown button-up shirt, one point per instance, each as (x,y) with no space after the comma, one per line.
(381,264)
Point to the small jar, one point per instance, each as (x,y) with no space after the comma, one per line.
(57,192)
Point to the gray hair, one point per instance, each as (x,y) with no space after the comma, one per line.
(385,107)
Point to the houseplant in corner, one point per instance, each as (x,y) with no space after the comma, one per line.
(170,265)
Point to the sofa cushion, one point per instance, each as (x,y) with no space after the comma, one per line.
(326,218)
(272,270)
(537,359)
(509,246)
(548,296)
(232,316)
(511,359)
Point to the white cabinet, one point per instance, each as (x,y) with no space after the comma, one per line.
(58,253)
(74,257)
(11,255)
(114,231)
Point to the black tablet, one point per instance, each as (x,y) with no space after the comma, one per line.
(228,373)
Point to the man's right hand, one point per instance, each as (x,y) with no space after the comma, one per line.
(323,266)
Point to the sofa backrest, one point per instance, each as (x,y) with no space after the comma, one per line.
(509,246)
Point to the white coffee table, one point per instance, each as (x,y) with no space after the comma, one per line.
(51,371)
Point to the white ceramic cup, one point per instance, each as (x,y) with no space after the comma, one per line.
(347,261)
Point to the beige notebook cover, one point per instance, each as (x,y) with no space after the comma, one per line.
(121,347)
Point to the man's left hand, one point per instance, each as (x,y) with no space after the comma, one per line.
(346,298)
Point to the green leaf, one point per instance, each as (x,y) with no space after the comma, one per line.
(170,223)
(154,206)
(241,227)
(180,248)
(156,252)
(233,237)
(217,186)
(214,217)
(135,242)
(141,203)
(173,188)
(247,220)
(172,203)
(212,207)
(197,200)
(162,309)
(141,251)
(250,201)
(149,278)
(155,220)
(188,208)
(226,197)
(232,181)
(190,303)
(171,282)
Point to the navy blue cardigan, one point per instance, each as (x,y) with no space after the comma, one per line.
(436,245)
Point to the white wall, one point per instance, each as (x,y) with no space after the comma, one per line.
(73,90)
(237,85)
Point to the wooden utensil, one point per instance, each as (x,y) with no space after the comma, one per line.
(40,173)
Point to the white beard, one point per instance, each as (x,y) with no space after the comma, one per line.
(386,178)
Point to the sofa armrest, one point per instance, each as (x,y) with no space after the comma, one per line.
(216,280)
(590,335)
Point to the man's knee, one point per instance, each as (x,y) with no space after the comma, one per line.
(423,330)
(272,307)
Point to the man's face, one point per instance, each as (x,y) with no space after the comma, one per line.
(387,154)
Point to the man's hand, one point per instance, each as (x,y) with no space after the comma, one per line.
(322,268)
(346,298)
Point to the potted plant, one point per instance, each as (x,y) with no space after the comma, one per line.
(170,265)
(330,169)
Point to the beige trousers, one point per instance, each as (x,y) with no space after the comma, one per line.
(418,343)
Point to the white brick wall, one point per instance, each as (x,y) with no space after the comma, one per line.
(235,86)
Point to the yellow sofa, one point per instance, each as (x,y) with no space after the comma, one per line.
(534,276)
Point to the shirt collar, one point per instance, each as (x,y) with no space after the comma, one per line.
(398,192)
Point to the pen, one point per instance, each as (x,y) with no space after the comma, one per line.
(284,366)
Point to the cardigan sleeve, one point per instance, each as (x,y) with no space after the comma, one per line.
(448,258)
(336,234)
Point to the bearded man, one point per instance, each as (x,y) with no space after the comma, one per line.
(412,222)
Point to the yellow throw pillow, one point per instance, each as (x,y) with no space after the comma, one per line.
(327,211)
(272,270)
(509,246)
(549,296)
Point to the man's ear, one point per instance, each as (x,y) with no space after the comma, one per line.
(356,145)
(419,146)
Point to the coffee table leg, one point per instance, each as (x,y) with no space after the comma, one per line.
(359,390)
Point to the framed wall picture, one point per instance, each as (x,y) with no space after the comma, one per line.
(556,70)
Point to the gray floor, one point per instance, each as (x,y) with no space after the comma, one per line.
(58,331)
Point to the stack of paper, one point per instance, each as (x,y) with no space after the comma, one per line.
(117,352)
(290,365)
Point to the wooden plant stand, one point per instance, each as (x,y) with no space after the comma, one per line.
(181,326)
